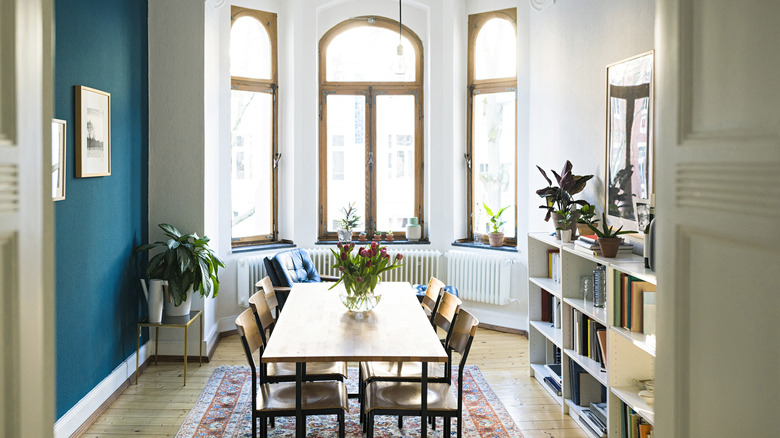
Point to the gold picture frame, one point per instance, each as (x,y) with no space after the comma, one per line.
(93,132)
(629,155)
(59,133)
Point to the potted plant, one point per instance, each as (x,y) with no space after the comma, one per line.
(348,222)
(187,264)
(564,224)
(607,236)
(496,237)
(360,273)
(559,198)
(587,215)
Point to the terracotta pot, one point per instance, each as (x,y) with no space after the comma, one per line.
(583,230)
(496,239)
(609,247)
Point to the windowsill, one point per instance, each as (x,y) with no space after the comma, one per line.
(264,247)
(383,242)
(485,246)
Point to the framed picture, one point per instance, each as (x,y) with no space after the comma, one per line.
(629,166)
(93,132)
(642,212)
(58,134)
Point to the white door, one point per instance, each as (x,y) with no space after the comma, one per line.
(718,197)
(26,220)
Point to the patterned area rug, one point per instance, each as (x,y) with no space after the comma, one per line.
(223,410)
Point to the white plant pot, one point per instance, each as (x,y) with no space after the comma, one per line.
(565,236)
(155,297)
(181,310)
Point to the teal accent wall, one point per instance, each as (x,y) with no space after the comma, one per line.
(100,44)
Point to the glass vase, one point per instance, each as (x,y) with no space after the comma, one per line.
(359,298)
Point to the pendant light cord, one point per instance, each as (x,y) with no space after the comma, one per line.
(400,26)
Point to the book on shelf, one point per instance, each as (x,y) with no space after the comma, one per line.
(629,302)
(555,372)
(557,312)
(648,315)
(596,252)
(585,336)
(553,384)
(585,389)
(600,411)
(601,334)
(598,427)
(632,424)
(547,303)
(553,265)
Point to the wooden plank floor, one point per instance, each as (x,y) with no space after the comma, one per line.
(158,405)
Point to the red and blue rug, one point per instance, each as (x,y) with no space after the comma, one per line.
(224,407)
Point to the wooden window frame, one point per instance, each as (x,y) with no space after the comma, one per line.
(485,86)
(269,86)
(371,90)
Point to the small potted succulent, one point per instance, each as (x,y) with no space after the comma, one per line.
(607,236)
(496,236)
(348,222)
(560,197)
(587,215)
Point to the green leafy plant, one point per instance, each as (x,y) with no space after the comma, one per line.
(566,219)
(587,214)
(559,198)
(606,231)
(350,219)
(495,219)
(186,261)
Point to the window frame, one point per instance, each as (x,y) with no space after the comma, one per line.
(371,90)
(485,86)
(269,86)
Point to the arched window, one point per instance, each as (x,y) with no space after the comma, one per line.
(492,121)
(253,126)
(371,130)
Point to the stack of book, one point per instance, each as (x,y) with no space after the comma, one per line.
(588,245)
(590,338)
(633,425)
(555,379)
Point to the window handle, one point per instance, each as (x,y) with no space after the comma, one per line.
(467,157)
(277,157)
(370,160)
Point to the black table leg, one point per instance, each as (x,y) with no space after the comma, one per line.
(300,420)
(424,402)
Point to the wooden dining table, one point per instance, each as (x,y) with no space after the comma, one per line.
(316,327)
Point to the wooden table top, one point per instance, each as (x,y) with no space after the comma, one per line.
(315,327)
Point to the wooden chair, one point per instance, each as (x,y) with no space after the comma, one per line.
(444,319)
(278,399)
(403,398)
(430,301)
(283,371)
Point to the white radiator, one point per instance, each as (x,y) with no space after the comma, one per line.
(479,277)
(250,270)
(418,266)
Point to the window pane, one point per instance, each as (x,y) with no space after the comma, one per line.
(395,161)
(251,115)
(346,132)
(494,159)
(250,49)
(494,50)
(366,54)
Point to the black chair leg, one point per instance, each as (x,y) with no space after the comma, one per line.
(254,423)
(460,424)
(273,422)
(400,421)
(370,425)
(433,423)
(342,425)
(263,428)
(447,426)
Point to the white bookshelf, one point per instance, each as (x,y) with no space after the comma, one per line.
(630,355)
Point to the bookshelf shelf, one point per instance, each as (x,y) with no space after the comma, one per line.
(575,411)
(547,284)
(591,366)
(597,313)
(630,396)
(641,340)
(539,373)
(549,332)
(630,355)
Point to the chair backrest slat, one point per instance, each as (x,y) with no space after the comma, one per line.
(465,328)
(260,306)
(270,294)
(247,328)
(448,309)
(432,294)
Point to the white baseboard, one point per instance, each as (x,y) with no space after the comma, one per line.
(227,324)
(66,425)
(508,316)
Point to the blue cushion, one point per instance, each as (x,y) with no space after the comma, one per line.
(421,288)
(294,266)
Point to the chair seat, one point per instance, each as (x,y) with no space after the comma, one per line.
(406,396)
(326,370)
(399,370)
(317,396)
